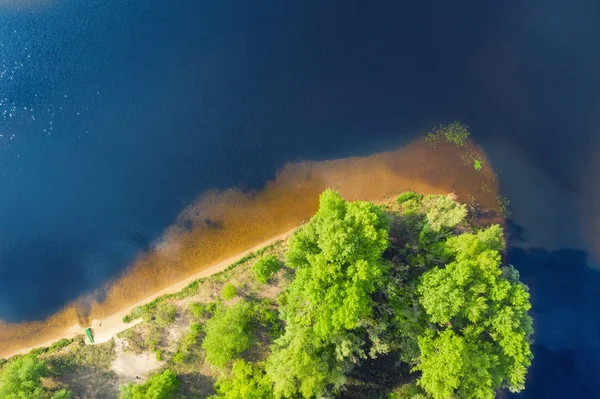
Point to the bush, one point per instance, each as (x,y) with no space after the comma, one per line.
(63,394)
(229,292)
(201,310)
(407,195)
(408,391)
(159,386)
(246,381)
(228,333)
(443,213)
(265,267)
(165,315)
(61,343)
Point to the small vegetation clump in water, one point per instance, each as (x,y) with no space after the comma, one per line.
(454,133)
(503,204)
(405,300)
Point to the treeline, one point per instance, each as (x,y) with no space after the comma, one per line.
(409,289)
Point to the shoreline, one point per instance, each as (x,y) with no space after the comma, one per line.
(106,328)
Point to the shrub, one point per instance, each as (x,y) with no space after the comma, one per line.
(165,314)
(61,343)
(63,394)
(229,291)
(265,267)
(407,195)
(246,381)
(442,212)
(228,333)
(201,310)
(159,386)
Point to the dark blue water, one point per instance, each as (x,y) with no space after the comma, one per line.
(115,114)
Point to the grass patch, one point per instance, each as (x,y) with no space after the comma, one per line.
(192,288)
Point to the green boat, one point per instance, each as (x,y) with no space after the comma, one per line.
(88,332)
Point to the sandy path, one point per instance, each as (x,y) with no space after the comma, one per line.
(106,328)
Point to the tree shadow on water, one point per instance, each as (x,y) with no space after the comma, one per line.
(564,295)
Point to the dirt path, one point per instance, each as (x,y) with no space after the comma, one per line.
(106,328)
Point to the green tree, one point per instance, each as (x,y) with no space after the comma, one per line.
(338,262)
(159,386)
(228,333)
(481,339)
(20,378)
(265,267)
(246,381)
(63,394)
(301,366)
(229,291)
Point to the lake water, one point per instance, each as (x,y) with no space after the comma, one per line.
(115,115)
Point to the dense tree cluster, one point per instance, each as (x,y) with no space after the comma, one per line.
(437,298)
(21,378)
(412,281)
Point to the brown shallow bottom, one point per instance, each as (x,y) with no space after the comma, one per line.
(221,224)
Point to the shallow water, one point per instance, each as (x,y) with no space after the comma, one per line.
(114,117)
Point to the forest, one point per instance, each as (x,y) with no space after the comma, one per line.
(406,298)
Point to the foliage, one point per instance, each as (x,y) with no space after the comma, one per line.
(338,260)
(159,386)
(299,366)
(201,310)
(408,391)
(442,212)
(165,315)
(337,257)
(503,204)
(481,339)
(408,195)
(265,267)
(58,345)
(20,378)
(229,291)
(228,333)
(99,356)
(454,133)
(63,394)
(187,342)
(477,164)
(267,315)
(246,381)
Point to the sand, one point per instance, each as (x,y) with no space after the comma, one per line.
(242,220)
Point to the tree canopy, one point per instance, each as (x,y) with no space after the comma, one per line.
(246,381)
(21,378)
(228,333)
(337,257)
(482,330)
(159,386)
